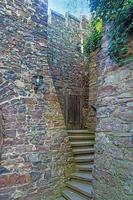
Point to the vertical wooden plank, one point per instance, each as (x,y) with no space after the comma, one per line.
(73,110)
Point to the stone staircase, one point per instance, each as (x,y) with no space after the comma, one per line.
(79,187)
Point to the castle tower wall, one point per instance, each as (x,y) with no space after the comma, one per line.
(67,63)
(34,144)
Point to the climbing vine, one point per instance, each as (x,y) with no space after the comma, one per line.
(119,15)
(95,34)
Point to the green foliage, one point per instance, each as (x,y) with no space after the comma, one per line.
(94,37)
(119,15)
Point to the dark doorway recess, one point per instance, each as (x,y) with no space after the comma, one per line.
(73,111)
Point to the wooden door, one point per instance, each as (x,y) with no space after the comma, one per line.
(73,111)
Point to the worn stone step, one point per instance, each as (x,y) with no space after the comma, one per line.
(82,176)
(77,131)
(83,188)
(70,194)
(81,134)
(83,150)
(84,158)
(82,143)
(81,137)
(85,167)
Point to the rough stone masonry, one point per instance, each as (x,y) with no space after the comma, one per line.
(68,67)
(113,172)
(34,148)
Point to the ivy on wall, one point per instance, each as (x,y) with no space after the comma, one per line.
(119,15)
(95,34)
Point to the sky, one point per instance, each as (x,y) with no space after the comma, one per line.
(61,7)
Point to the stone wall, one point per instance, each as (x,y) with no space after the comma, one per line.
(35,147)
(67,63)
(114,133)
(93,87)
(1,133)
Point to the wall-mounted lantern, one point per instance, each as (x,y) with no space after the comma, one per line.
(37,81)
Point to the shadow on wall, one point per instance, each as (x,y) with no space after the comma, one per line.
(93,88)
(67,64)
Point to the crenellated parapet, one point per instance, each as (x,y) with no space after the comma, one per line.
(67,30)
(72,22)
(67,21)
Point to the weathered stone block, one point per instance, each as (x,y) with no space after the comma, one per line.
(35,176)
(3,170)
(10,133)
(35,158)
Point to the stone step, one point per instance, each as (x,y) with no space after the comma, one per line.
(84,158)
(83,150)
(83,188)
(70,194)
(85,167)
(79,186)
(81,137)
(82,143)
(81,134)
(77,131)
(84,176)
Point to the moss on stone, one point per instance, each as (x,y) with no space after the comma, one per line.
(68,170)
